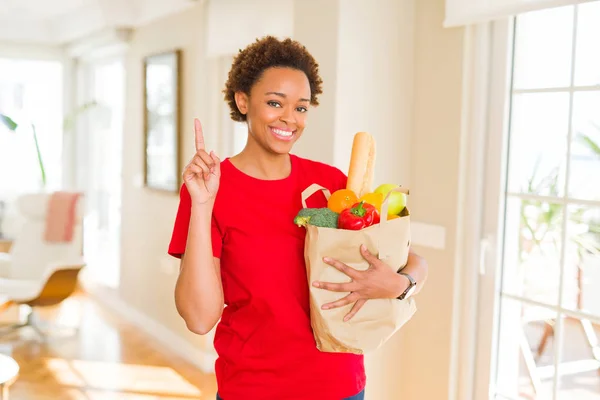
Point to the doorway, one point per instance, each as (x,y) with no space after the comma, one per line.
(99,167)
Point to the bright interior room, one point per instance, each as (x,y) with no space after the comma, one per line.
(488,111)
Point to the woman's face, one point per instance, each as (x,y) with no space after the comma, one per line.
(276,108)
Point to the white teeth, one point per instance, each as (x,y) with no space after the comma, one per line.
(282,133)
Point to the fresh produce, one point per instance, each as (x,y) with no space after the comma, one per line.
(375,199)
(341,199)
(359,216)
(397,200)
(356,206)
(322,217)
(362,162)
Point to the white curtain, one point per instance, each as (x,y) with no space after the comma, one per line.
(467,12)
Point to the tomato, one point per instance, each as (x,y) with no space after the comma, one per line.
(359,216)
(341,199)
(375,199)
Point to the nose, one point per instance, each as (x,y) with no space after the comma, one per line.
(287,115)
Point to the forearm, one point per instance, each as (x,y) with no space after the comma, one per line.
(418,268)
(199,291)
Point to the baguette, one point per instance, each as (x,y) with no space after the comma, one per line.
(362,162)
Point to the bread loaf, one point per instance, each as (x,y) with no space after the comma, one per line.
(362,163)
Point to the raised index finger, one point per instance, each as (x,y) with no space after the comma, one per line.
(199,134)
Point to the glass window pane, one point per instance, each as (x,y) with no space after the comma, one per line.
(581,290)
(578,371)
(587,58)
(585,148)
(533,261)
(532,246)
(31,92)
(538,141)
(543,49)
(523,331)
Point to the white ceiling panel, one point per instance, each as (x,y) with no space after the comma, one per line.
(36,10)
(62,21)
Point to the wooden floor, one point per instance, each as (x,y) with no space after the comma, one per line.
(106,359)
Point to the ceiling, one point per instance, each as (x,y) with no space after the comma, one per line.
(57,22)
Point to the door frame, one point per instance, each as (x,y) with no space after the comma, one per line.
(494,207)
(487,65)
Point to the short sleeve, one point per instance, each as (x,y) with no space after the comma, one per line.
(340,179)
(327,176)
(182,224)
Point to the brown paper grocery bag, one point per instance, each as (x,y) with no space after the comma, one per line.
(378,319)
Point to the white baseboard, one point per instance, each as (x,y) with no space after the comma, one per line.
(203,360)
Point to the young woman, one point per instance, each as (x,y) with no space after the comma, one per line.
(238,244)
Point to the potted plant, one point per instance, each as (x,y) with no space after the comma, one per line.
(9,123)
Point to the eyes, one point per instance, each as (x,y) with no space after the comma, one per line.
(276,104)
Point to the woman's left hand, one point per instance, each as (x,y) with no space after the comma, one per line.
(379,281)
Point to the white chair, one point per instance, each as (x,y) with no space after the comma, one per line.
(58,283)
(37,273)
(30,255)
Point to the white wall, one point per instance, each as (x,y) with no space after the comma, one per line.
(375,80)
(30,51)
(148,273)
(319,32)
(435,146)
(249,19)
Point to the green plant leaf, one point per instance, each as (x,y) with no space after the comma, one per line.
(8,122)
(589,143)
(39,155)
(69,120)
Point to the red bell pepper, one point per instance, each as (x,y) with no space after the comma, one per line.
(359,216)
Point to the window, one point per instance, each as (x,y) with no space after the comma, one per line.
(549,288)
(31,92)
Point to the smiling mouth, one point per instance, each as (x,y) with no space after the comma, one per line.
(282,134)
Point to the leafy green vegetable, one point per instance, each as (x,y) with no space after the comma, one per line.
(321,217)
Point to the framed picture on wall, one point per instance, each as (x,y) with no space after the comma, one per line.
(162,121)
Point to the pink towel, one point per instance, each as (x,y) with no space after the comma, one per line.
(60,218)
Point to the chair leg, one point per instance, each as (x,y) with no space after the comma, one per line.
(29,322)
(34,326)
(530,364)
(6,330)
(592,339)
(548,331)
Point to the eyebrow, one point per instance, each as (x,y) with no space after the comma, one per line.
(284,96)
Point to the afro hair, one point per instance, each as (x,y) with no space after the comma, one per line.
(251,62)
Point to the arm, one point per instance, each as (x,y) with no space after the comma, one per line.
(416,267)
(379,281)
(199,290)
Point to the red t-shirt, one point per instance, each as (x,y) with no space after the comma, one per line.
(264,339)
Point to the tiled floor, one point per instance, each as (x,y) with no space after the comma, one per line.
(106,359)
